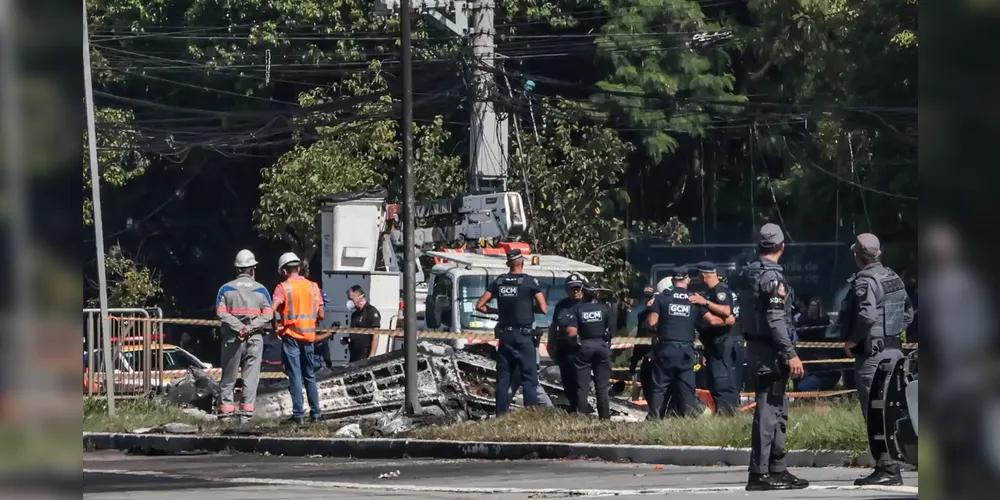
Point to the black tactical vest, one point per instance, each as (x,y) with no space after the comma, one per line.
(515,302)
(679,318)
(593,320)
(753,304)
(890,297)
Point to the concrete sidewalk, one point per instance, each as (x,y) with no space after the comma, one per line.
(114,475)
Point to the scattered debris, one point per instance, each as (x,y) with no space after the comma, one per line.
(200,415)
(452,386)
(195,389)
(349,431)
(172,428)
(389,475)
(390,425)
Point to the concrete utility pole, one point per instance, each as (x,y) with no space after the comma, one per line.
(488,142)
(95,186)
(412,401)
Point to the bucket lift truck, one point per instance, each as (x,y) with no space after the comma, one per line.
(362,245)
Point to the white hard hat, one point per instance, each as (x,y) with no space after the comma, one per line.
(665,284)
(287,258)
(245,259)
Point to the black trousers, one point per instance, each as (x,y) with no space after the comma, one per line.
(673,380)
(594,358)
(566,359)
(516,351)
(770,424)
(724,363)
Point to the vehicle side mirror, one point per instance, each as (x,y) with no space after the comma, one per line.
(430,313)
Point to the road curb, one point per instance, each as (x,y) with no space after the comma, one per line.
(412,448)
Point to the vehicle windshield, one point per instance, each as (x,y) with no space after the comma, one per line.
(173,359)
(471,287)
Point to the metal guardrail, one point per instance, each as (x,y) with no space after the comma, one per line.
(136,368)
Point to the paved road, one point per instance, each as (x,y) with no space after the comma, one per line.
(117,476)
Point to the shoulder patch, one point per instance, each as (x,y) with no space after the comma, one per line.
(721,296)
(781,290)
(861,290)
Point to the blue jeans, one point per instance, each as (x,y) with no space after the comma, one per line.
(299,361)
(516,350)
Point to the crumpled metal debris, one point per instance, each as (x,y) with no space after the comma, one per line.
(195,389)
(171,428)
(349,431)
(452,386)
(389,475)
(390,425)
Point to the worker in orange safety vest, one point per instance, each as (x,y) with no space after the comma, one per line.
(299,303)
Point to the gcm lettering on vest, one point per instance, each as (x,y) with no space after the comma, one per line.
(592,316)
(508,291)
(680,310)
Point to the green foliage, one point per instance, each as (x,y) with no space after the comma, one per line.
(350,155)
(130,284)
(571,179)
(659,81)
(118,159)
(851,62)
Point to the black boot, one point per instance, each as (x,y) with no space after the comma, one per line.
(794,482)
(295,420)
(767,482)
(881,476)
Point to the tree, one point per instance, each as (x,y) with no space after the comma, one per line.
(130,284)
(118,158)
(848,71)
(354,154)
(661,81)
(571,178)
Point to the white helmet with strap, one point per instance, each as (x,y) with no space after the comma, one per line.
(665,284)
(287,258)
(245,259)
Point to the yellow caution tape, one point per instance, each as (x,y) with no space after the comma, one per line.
(616,342)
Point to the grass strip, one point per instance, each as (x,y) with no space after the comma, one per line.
(812,426)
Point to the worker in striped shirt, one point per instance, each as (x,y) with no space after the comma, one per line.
(244,307)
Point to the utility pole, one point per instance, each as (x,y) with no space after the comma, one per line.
(488,152)
(412,396)
(95,187)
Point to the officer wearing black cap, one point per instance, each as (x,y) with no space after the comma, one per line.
(644,353)
(771,355)
(722,340)
(590,325)
(676,320)
(562,349)
(871,321)
(519,297)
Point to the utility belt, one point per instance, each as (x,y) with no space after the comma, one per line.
(523,330)
(667,340)
(578,340)
(872,346)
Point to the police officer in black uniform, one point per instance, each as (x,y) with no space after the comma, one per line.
(561,348)
(722,340)
(676,320)
(767,326)
(644,353)
(590,326)
(519,297)
(872,319)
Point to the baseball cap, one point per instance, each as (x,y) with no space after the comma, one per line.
(706,267)
(514,255)
(680,272)
(649,291)
(575,281)
(867,245)
(770,235)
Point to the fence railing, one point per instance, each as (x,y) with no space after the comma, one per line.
(136,347)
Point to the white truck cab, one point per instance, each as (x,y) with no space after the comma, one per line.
(455,285)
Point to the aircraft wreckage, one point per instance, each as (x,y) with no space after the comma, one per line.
(460,383)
